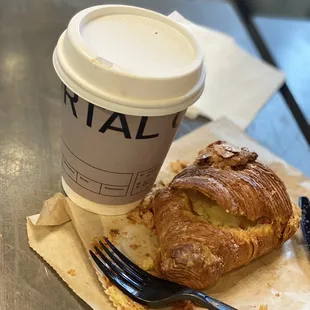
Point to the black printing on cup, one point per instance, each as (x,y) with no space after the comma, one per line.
(109,157)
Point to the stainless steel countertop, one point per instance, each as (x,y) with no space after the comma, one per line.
(30,99)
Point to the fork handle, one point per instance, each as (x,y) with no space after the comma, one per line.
(204,300)
(304,203)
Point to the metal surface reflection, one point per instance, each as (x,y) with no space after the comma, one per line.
(16,159)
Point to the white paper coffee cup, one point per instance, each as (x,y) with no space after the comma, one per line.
(129,75)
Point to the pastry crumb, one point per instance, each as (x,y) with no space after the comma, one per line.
(114,233)
(120,300)
(183,305)
(268,284)
(134,216)
(71,272)
(278,294)
(144,217)
(95,243)
(178,165)
(148,263)
(134,246)
(148,219)
(143,213)
(263,307)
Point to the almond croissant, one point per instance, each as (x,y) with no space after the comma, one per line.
(219,214)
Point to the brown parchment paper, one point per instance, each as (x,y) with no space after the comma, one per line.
(280,280)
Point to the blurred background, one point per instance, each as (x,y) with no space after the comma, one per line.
(293,8)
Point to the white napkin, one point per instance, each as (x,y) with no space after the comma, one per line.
(237,84)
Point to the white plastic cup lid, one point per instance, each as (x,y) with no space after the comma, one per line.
(130,60)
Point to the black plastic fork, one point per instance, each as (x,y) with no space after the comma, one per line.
(304,204)
(143,287)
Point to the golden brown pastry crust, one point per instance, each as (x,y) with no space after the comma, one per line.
(195,252)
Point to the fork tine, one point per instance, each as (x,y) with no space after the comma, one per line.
(126,260)
(123,286)
(118,271)
(143,296)
(121,265)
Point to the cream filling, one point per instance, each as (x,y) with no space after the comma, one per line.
(208,210)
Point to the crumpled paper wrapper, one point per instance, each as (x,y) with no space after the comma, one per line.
(63,233)
(230,71)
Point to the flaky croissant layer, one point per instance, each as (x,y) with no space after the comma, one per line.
(219,214)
